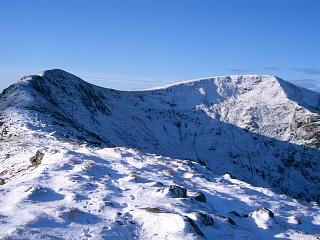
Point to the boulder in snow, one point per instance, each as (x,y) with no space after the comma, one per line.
(2,181)
(36,160)
(263,217)
(204,218)
(200,197)
(177,192)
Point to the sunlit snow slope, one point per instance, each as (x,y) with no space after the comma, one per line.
(111,156)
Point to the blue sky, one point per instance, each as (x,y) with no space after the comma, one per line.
(144,43)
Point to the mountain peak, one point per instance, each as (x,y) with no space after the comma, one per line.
(57,76)
(56,73)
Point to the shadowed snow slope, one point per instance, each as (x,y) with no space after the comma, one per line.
(105,163)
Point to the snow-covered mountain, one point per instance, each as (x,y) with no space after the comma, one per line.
(93,141)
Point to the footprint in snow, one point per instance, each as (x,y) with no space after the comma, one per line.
(89,186)
(43,194)
(75,215)
(65,167)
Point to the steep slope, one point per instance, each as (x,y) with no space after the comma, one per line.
(259,129)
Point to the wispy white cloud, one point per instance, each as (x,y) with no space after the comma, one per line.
(312,84)
(271,68)
(240,70)
(309,70)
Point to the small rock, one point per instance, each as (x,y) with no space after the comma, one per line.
(108,203)
(131,221)
(4,172)
(156,210)
(227,219)
(231,221)
(235,213)
(200,197)
(36,160)
(177,192)
(193,225)
(263,217)
(119,222)
(157,184)
(205,218)
(2,181)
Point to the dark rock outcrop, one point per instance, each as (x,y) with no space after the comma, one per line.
(36,160)
(177,191)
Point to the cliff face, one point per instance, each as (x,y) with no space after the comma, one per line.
(259,129)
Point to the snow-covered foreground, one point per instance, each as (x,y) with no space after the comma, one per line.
(82,192)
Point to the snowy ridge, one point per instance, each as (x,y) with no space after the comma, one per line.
(118,155)
(192,81)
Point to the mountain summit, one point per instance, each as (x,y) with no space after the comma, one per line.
(256,128)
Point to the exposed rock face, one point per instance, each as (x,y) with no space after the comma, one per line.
(260,129)
(194,226)
(2,181)
(204,218)
(200,197)
(156,210)
(177,192)
(311,126)
(36,160)
(226,219)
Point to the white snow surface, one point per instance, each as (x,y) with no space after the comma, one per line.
(83,192)
(248,143)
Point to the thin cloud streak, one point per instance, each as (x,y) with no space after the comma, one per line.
(309,70)
(271,68)
(124,79)
(240,70)
(311,84)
